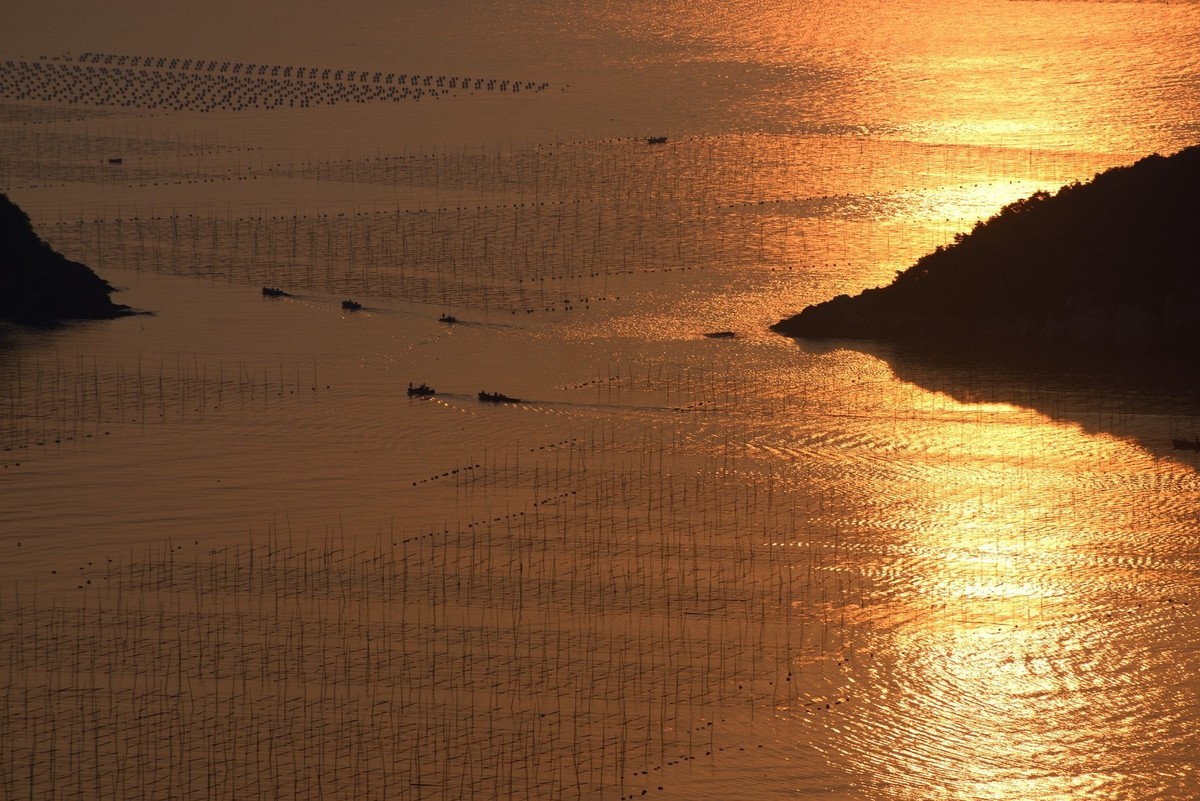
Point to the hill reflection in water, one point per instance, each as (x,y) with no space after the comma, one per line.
(1150,407)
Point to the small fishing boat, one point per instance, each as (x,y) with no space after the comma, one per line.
(656,140)
(721,335)
(496,397)
(351,305)
(448,318)
(424,390)
(273,292)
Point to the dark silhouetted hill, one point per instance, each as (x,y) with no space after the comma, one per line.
(1109,269)
(41,287)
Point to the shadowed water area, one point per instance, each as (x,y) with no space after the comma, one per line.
(241,560)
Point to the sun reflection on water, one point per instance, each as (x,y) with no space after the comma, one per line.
(1017,658)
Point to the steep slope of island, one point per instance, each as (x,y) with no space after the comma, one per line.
(1110,268)
(41,287)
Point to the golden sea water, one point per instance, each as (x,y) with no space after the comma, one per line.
(238,560)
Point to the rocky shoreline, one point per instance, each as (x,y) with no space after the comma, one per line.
(39,287)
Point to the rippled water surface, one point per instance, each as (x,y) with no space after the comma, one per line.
(240,561)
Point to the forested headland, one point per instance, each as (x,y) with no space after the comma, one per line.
(1108,269)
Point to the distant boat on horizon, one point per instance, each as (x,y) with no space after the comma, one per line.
(496,397)
(351,305)
(273,292)
(424,390)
